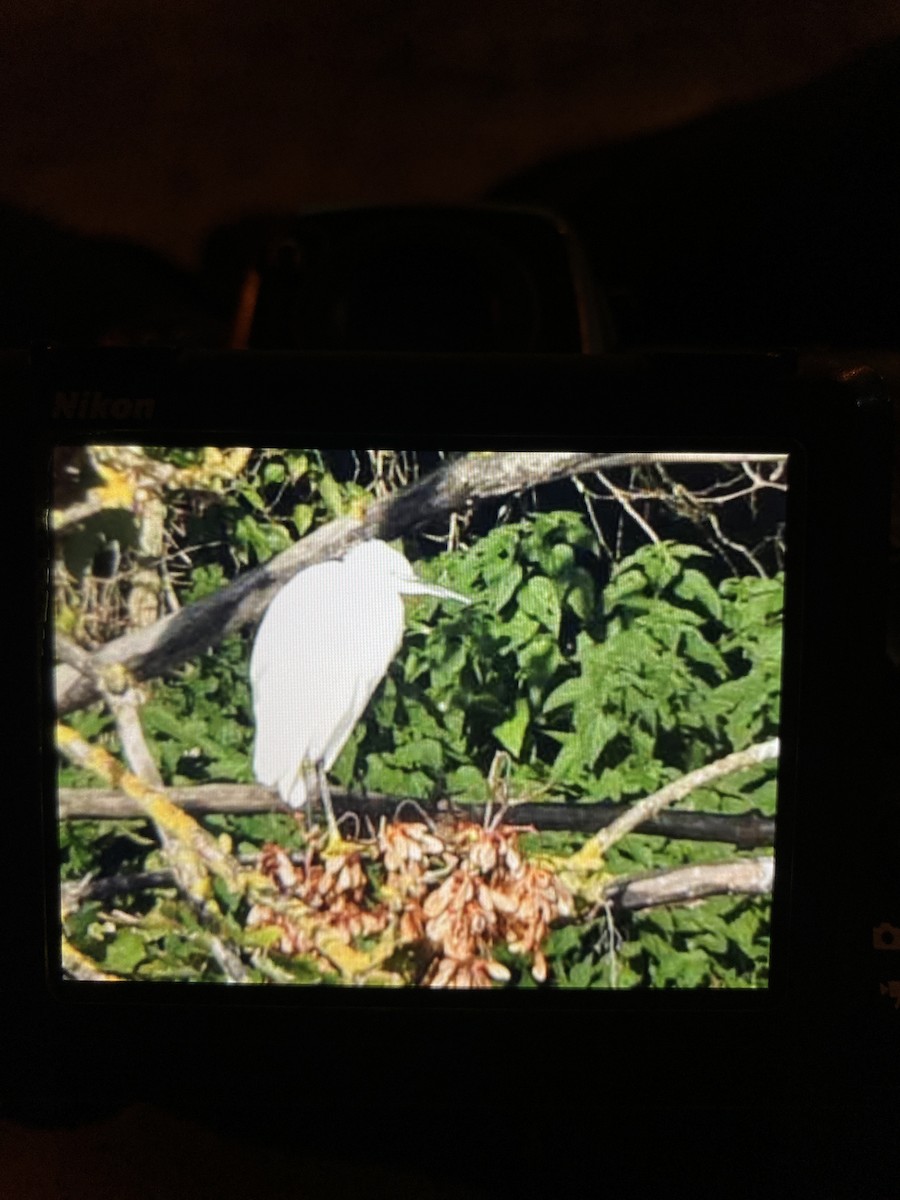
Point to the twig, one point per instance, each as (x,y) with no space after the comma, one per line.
(193,856)
(612,933)
(713,521)
(621,495)
(651,806)
(746,876)
(586,497)
(190,851)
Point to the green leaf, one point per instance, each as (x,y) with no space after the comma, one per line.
(580,975)
(330,491)
(560,941)
(125,952)
(697,649)
(625,585)
(264,936)
(511,733)
(520,629)
(467,781)
(570,691)
(581,594)
(538,598)
(693,586)
(298,465)
(302,517)
(503,580)
(205,580)
(420,752)
(265,540)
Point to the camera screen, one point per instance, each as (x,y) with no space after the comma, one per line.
(417,718)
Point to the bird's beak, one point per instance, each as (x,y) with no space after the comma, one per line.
(418,587)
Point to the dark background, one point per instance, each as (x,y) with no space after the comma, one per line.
(734,172)
(160,122)
(733,169)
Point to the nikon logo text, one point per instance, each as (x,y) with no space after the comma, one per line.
(94,406)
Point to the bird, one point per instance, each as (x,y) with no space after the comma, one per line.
(324,644)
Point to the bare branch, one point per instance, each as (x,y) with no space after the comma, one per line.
(190,851)
(123,700)
(732,545)
(681,885)
(181,635)
(621,494)
(651,806)
(105,888)
(64,518)
(745,831)
(746,876)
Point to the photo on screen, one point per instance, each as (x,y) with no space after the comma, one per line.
(417,719)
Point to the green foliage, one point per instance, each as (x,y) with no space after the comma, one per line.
(718,942)
(281,496)
(198,722)
(103,847)
(723,942)
(596,692)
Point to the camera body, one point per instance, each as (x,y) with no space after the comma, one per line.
(486,278)
(827,1018)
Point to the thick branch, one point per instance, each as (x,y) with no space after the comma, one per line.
(150,652)
(747,876)
(745,831)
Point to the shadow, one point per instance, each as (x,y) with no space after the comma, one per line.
(58,286)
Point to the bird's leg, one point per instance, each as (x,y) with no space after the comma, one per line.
(334,836)
(302,823)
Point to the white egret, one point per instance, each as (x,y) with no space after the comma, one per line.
(322,648)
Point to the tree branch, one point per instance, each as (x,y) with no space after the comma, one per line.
(746,831)
(746,876)
(681,885)
(651,806)
(192,852)
(123,700)
(150,652)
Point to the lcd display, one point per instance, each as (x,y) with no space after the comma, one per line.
(417,718)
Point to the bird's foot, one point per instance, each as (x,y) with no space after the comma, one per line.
(324,841)
(336,844)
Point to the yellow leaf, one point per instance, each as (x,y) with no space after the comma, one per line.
(117,490)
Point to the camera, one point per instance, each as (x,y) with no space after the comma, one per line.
(486,278)
(603,786)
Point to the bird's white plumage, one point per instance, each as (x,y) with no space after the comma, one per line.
(322,648)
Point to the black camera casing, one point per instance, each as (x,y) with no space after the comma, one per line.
(827,1026)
